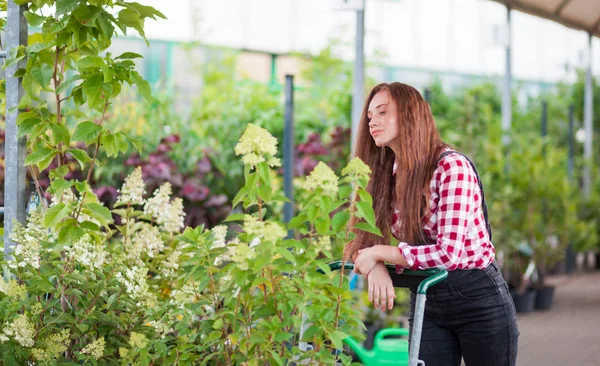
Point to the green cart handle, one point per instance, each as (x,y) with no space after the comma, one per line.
(432,276)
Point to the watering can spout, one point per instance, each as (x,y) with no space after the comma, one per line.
(363,354)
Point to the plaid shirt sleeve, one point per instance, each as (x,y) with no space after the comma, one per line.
(456,189)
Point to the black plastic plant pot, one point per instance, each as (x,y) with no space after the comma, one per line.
(524,302)
(544,298)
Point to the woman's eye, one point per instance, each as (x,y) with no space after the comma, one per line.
(382,113)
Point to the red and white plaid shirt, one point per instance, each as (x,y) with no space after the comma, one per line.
(455,221)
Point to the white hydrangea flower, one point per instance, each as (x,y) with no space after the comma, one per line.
(133,189)
(87,252)
(257,145)
(268,231)
(170,265)
(219,234)
(169,215)
(95,349)
(158,204)
(160,327)
(185,295)
(356,168)
(242,255)
(147,241)
(21,330)
(172,220)
(27,241)
(54,346)
(324,244)
(322,177)
(136,285)
(138,340)
(13,289)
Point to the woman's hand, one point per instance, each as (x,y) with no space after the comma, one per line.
(366,260)
(381,289)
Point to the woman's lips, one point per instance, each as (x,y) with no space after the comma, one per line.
(375,133)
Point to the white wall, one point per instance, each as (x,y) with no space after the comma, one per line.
(452,35)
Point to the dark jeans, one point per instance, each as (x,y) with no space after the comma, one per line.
(469,315)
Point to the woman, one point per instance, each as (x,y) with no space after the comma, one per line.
(430,199)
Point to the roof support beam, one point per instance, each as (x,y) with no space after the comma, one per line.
(561,7)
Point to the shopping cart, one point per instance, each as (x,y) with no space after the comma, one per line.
(395,351)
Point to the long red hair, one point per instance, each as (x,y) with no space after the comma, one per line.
(420,146)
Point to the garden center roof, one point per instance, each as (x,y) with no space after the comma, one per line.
(578,14)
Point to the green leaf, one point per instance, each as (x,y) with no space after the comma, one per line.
(39,155)
(99,212)
(365,210)
(143,86)
(109,145)
(322,225)
(128,56)
(68,82)
(27,126)
(365,196)
(65,6)
(105,25)
(55,214)
(34,20)
(132,19)
(60,133)
(340,221)
(275,356)
(87,14)
(137,143)
(218,324)
(91,62)
(143,10)
(88,225)
(121,142)
(265,193)
(108,73)
(60,184)
(42,74)
(235,217)
(336,338)
(368,228)
(24,116)
(296,222)
(286,254)
(345,191)
(310,333)
(87,131)
(91,90)
(81,156)
(240,196)
(59,172)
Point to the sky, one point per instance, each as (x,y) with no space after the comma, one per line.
(445,35)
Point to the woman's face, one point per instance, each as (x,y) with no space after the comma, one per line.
(383,120)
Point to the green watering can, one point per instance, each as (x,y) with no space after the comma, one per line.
(394,351)
(385,351)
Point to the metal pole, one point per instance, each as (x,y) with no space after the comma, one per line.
(569,252)
(571,147)
(544,118)
(506,96)
(288,149)
(428,95)
(588,116)
(359,73)
(15,186)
